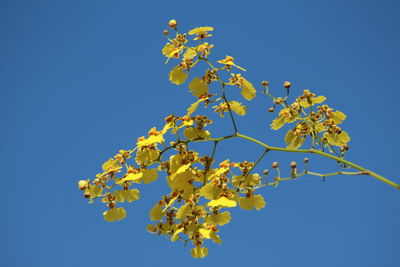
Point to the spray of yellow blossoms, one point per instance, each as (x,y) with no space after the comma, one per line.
(204,191)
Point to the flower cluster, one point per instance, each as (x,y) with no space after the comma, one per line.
(319,122)
(201,192)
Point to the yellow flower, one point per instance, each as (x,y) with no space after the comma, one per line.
(337,139)
(172,50)
(199,252)
(177,75)
(197,87)
(111,165)
(126,195)
(220,218)
(204,49)
(248,180)
(229,61)
(190,53)
(248,91)
(286,115)
(182,182)
(201,32)
(251,202)
(114,214)
(308,99)
(156,212)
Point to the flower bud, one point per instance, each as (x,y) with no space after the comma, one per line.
(82,185)
(278,100)
(286,84)
(275,164)
(306,160)
(172,24)
(266,172)
(265,83)
(271,110)
(165,32)
(293,164)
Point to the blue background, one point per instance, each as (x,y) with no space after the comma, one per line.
(80,80)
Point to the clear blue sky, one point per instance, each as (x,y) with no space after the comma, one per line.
(80,80)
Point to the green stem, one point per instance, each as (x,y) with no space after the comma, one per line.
(230,111)
(314,151)
(257,161)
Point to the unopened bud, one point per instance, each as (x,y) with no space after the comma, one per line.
(87,194)
(172,24)
(165,32)
(287,84)
(306,160)
(265,83)
(266,172)
(293,164)
(271,110)
(278,100)
(82,185)
(275,164)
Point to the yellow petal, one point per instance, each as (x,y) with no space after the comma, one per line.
(190,133)
(249,203)
(277,123)
(221,218)
(132,195)
(198,87)
(131,177)
(126,195)
(200,30)
(344,137)
(119,196)
(150,175)
(210,191)
(199,252)
(223,202)
(248,90)
(151,228)
(293,141)
(183,211)
(175,236)
(110,165)
(205,233)
(156,212)
(194,106)
(193,133)
(190,53)
(146,156)
(338,116)
(237,108)
(114,214)
(320,127)
(335,139)
(215,238)
(151,140)
(318,99)
(177,75)
(95,190)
